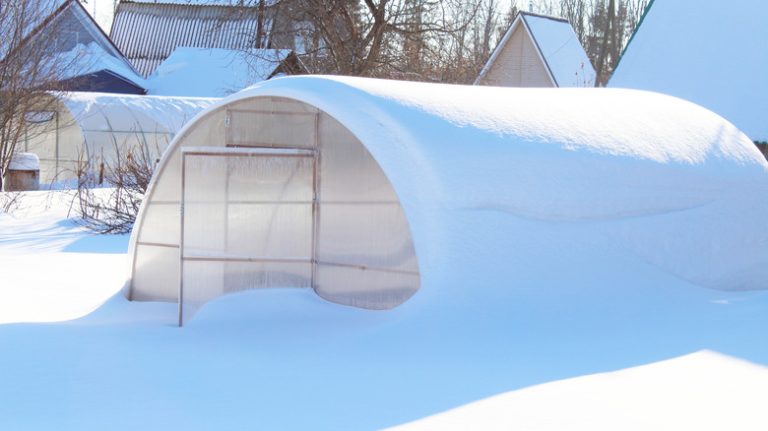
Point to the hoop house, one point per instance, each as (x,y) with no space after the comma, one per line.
(357,188)
(92,128)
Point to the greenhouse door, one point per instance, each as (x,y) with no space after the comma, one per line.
(247,222)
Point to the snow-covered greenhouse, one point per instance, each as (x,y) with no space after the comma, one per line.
(361,189)
(84,130)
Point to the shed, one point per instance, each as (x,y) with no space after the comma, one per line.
(705,51)
(92,127)
(538,51)
(356,188)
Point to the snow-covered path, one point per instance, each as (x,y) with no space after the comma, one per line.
(287,360)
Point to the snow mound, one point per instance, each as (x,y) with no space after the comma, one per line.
(705,52)
(705,390)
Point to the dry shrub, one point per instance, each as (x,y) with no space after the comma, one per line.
(109,195)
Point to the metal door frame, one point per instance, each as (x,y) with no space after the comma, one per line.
(282,152)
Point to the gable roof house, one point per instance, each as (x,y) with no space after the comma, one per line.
(204,47)
(705,52)
(538,51)
(87,58)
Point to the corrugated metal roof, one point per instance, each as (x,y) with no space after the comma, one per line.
(147,33)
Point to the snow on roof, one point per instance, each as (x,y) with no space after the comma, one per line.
(147,33)
(92,58)
(706,53)
(207,72)
(562,51)
(24,162)
(110,112)
(559,46)
(85,57)
(654,169)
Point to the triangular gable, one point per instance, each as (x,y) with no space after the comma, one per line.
(118,64)
(561,50)
(703,52)
(79,33)
(556,46)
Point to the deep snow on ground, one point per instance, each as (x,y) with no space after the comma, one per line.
(287,360)
(668,395)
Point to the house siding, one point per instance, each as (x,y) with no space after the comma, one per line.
(518,64)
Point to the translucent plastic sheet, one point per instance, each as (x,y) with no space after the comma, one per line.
(249,220)
(247,224)
(271,129)
(365,252)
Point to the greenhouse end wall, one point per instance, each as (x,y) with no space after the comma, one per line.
(330,220)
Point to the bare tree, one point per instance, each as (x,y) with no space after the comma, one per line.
(608,29)
(29,67)
(379,38)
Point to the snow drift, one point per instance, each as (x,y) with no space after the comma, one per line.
(704,390)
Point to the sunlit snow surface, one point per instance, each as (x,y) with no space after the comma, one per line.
(511,297)
(701,391)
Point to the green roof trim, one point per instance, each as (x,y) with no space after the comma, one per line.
(631,38)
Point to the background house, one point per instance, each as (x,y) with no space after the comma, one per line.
(204,48)
(538,51)
(92,62)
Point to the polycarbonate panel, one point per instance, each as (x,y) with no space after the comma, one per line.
(247,223)
(156,273)
(221,278)
(270,230)
(360,225)
(40,139)
(161,223)
(365,234)
(364,288)
(47,171)
(276,129)
(287,179)
(279,104)
(347,170)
